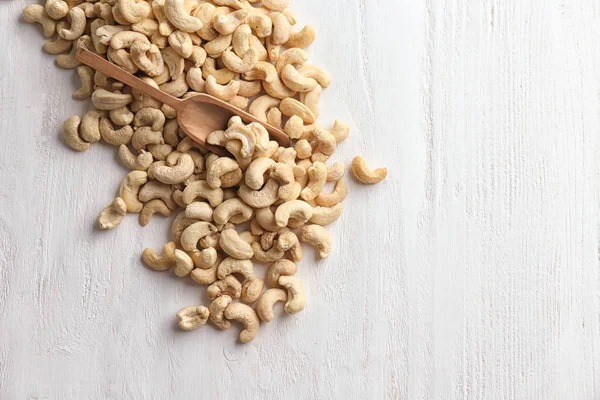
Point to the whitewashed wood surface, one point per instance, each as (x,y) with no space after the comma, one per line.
(471,273)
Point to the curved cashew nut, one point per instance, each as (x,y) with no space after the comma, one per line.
(198,56)
(260,49)
(206,276)
(260,106)
(160,152)
(336,172)
(211,241)
(317,177)
(216,308)
(274,118)
(255,174)
(123,59)
(176,88)
(302,39)
(199,210)
(113,214)
(288,157)
(181,42)
(224,92)
(265,218)
(262,70)
(176,174)
(121,116)
(267,240)
(247,316)
(233,210)
(361,171)
(235,247)
(86,74)
(262,25)
(144,136)
(90,125)
(229,286)
(180,18)
(105,100)
(202,189)
(264,306)
(147,57)
(269,256)
(290,107)
(260,198)
(226,24)
(223,75)
(337,196)
(165,28)
(340,130)
(147,26)
(288,241)
(276,5)
(278,89)
(295,293)
(68,60)
(193,317)
(105,33)
(326,215)
(284,174)
(56,9)
(236,4)
(240,65)
(326,144)
(281,28)
(134,11)
(206,258)
(77,22)
(163,262)
(294,127)
(316,73)
(175,63)
(125,39)
(318,236)
(180,223)
(217,169)
(311,99)
(140,162)
(170,132)
(130,187)
(232,265)
(252,289)
(241,40)
(278,269)
(303,149)
(295,209)
(149,116)
(232,178)
(215,47)
(58,46)
(152,207)
(183,264)
(292,56)
(193,233)
(245,135)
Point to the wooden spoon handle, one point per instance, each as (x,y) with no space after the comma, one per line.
(115,72)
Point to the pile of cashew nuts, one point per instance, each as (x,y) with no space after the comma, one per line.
(260,203)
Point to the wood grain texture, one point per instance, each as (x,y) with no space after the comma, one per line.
(471,273)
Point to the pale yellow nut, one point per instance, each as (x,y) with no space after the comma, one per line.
(118,15)
(113,214)
(241,40)
(262,70)
(125,39)
(252,290)
(277,269)
(296,296)
(232,265)
(337,196)
(311,99)
(199,210)
(261,25)
(183,264)
(146,26)
(144,136)
(316,73)
(224,92)
(147,57)
(217,46)
(75,26)
(260,198)
(276,5)
(174,62)
(134,11)
(151,117)
(233,210)
(104,11)
(302,39)
(326,215)
(336,172)
(130,187)
(267,239)
(223,75)
(240,102)
(56,9)
(281,28)
(326,145)
(239,65)
(255,173)
(340,130)
(217,169)
(152,207)
(106,33)
(165,28)
(294,209)
(245,135)
(195,80)
(303,149)
(317,177)
(160,151)
(236,4)
(178,16)
(290,107)
(228,286)
(364,174)
(260,106)
(288,241)
(273,50)
(175,88)
(198,56)
(293,56)
(318,236)
(265,218)
(71,134)
(192,317)
(105,100)
(139,162)
(181,42)
(180,223)
(259,47)
(90,125)
(264,306)
(88,9)
(177,173)
(278,89)
(245,315)
(205,12)
(294,127)
(203,190)
(216,308)
(121,116)
(160,262)
(226,24)
(68,60)
(123,59)
(269,256)
(86,74)
(57,46)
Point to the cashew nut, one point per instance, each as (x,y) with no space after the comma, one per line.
(147,57)
(59,46)
(140,162)
(160,151)
(226,24)
(361,171)
(229,286)
(199,210)
(217,46)
(278,269)
(260,198)
(180,18)
(318,236)
(303,149)
(260,106)
(223,75)
(317,177)
(105,100)
(216,308)
(264,306)
(316,73)
(337,196)
(130,187)
(231,265)
(302,39)
(276,5)
(262,70)
(181,42)
(265,218)
(235,247)
(233,210)
(112,215)
(157,190)
(90,129)
(176,174)
(134,11)
(224,92)
(76,25)
(288,241)
(202,189)
(71,134)
(144,136)
(193,317)
(205,276)
(256,171)
(262,25)
(278,89)
(56,9)
(260,49)
(326,215)
(292,56)
(247,316)
(175,63)
(252,289)
(163,262)
(240,65)
(281,28)
(290,107)
(269,256)
(196,231)
(296,297)
(296,209)
(217,169)
(152,207)
(311,99)
(147,26)
(86,74)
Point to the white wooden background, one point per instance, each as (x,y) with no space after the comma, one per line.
(471,273)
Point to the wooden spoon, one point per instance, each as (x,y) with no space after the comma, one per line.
(198,115)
